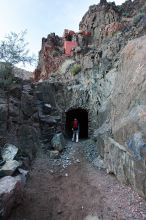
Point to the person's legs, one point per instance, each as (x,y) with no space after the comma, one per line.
(73,136)
(77,136)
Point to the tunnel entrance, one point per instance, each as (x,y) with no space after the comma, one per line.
(82,116)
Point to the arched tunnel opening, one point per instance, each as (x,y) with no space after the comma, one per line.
(82,117)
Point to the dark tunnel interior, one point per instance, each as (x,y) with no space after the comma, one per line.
(82,116)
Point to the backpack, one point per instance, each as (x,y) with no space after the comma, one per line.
(75,124)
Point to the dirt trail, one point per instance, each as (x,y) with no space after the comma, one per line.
(76,192)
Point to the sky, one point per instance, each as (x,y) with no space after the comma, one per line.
(41,17)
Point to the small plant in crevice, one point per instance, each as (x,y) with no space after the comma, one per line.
(76,68)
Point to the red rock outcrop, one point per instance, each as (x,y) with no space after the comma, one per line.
(51,56)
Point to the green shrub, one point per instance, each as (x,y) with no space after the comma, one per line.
(13,49)
(137,18)
(75,69)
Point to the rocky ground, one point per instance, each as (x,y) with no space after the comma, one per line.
(70,188)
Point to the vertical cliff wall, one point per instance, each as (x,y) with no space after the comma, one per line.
(110,86)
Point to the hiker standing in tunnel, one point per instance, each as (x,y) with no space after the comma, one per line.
(75,129)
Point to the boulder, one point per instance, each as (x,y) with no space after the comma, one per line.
(7,164)
(10,194)
(9,167)
(9,152)
(58,142)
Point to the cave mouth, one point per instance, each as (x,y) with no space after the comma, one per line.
(82,117)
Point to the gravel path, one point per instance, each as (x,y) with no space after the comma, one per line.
(70,188)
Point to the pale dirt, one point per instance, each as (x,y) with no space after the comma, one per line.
(77,192)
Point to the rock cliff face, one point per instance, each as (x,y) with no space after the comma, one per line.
(51,56)
(105,78)
(120,136)
(110,86)
(124,149)
(17,110)
(27,117)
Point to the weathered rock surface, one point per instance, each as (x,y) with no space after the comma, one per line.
(128,118)
(128,102)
